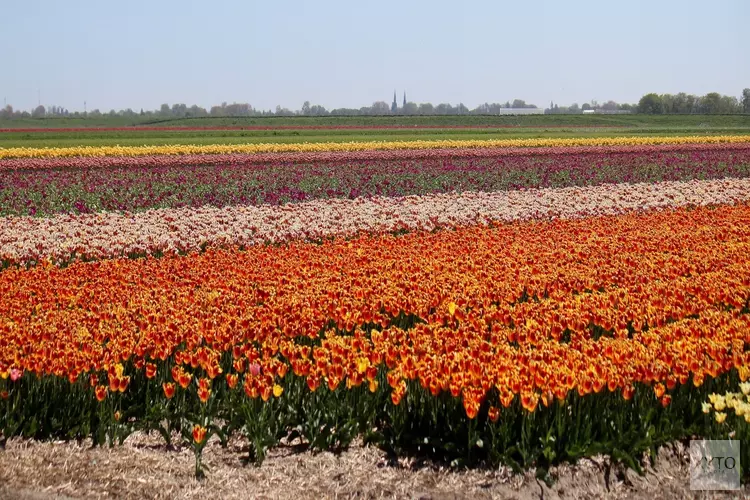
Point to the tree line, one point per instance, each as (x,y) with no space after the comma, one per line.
(652,103)
(682,103)
(378,108)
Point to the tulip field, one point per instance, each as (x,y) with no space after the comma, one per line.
(503,301)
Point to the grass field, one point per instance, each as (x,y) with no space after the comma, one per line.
(634,120)
(410,128)
(235,137)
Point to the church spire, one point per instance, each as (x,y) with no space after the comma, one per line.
(394,106)
(404,99)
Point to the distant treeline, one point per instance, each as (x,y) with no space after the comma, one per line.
(682,103)
(379,108)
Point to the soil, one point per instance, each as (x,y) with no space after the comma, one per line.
(145,468)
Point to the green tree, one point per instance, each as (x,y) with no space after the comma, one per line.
(683,103)
(650,104)
(728,104)
(318,110)
(443,109)
(410,108)
(179,110)
(711,103)
(745,101)
(380,108)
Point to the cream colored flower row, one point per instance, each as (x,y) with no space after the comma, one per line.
(183,149)
(63,238)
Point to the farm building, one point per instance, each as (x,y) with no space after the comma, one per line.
(520,111)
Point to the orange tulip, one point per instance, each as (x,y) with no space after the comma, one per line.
(169,389)
(659,390)
(265,393)
(199,434)
(493,413)
(184,379)
(627,392)
(101,393)
(232,379)
(123,383)
(204,394)
(522,287)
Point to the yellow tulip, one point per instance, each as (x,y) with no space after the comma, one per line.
(183,149)
(277,390)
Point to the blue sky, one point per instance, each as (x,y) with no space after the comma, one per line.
(140,54)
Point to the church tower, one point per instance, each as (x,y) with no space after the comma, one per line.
(404,100)
(394,106)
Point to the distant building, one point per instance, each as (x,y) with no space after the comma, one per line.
(520,111)
(394,106)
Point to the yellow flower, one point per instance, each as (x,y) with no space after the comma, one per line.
(730,400)
(362,365)
(720,404)
(741,409)
(277,390)
(745,388)
(706,407)
(452,308)
(183,149)
(118,370)
(720,417)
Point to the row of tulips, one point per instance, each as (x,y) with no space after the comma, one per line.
(62,239)
(50,191)
(192,149)
(244,159)
(507,337)
(167,128)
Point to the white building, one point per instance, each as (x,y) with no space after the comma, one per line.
(520,111)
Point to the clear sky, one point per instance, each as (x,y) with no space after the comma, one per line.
(337,53)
